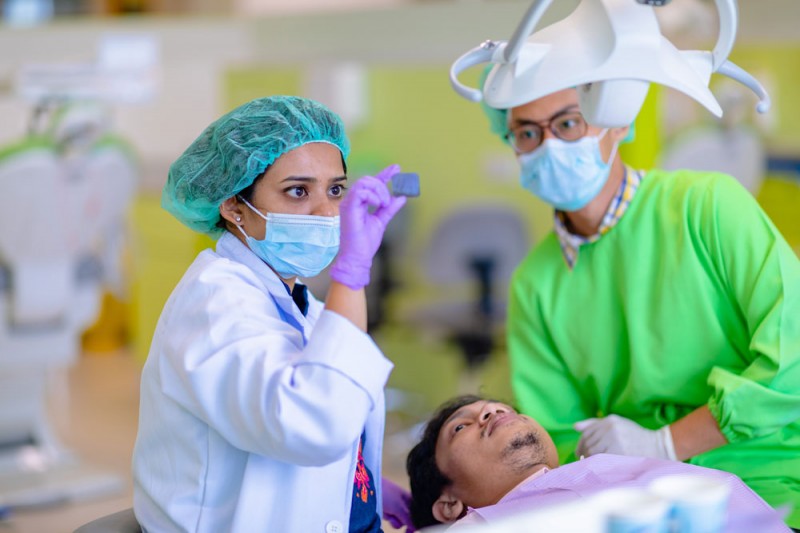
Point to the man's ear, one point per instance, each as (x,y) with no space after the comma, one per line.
(447,508)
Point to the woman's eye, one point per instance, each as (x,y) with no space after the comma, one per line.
(296,192)
(459,428)
(337,191)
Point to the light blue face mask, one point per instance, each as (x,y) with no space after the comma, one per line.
(566,175)
(296,245)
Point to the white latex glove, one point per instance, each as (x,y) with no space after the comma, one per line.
(615,434)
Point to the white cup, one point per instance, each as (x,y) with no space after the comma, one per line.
(699,503)
(630,510)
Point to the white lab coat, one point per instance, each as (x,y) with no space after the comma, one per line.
(250,412)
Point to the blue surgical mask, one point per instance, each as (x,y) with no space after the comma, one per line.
(566,175)
(296,245)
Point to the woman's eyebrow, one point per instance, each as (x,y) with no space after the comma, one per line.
(306,179)
(310,179)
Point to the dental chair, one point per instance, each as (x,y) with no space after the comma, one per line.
(62,206)
(471,256)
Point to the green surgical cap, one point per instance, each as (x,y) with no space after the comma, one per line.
(237,148)
(631,134)
(498,118)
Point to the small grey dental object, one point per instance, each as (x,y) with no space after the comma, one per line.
(405,184)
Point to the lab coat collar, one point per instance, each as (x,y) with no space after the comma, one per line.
(230,247)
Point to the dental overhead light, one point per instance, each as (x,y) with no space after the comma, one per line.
(611,51)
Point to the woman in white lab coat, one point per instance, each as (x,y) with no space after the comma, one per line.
(262,409)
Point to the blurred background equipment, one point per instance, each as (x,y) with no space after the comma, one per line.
(477,247)
(732,144)
(68,186)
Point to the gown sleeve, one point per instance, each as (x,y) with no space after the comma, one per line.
(762,276)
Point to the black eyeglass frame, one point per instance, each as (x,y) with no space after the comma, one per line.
(550,124)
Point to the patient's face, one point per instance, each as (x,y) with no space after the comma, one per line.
(487,448)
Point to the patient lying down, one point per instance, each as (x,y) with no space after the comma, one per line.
(480,461)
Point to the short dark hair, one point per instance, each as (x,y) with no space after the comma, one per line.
(427,481)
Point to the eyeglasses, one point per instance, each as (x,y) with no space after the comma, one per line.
(567,125)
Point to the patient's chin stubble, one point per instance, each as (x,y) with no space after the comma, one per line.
(524,451)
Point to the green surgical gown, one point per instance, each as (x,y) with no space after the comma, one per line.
(692,299)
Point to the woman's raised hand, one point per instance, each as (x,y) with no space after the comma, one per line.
(364,214)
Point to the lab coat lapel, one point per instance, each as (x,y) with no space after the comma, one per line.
(231,247)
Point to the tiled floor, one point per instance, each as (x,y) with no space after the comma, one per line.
(96,417)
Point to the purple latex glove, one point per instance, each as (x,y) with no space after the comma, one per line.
(361,230)
(396,502)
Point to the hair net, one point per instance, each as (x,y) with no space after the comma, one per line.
(237,148)
(498,118)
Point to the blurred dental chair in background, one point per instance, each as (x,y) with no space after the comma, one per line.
(470,258)
(66,189)
(731,144)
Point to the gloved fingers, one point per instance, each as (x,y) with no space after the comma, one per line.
(396,503)
(371,191)
(593,435)
(582,449)
(622,422)
(581,425)
(393,520)
(390,488)
(592,432)
(387,212)
(387,173)
(398,523)
(590,447)
(359,198)
(359,191)
(620,425)
(592,442)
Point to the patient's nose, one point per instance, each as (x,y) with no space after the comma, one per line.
(489,409)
